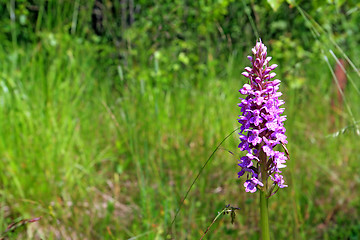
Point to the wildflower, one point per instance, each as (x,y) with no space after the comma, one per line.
(262,124)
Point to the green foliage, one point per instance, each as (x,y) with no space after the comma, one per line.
(101,134)
(275,4)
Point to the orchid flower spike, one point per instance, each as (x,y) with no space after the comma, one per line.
(262,125)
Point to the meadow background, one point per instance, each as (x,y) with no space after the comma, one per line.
(109,109)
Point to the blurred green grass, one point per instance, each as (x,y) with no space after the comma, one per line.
(103,157)
(94,162)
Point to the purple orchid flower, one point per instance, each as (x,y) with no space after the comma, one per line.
(262,124)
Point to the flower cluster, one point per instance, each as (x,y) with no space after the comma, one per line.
(262,126)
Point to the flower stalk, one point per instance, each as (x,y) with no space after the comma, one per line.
(264,217)
(262,129)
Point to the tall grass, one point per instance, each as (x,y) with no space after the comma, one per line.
(101,157)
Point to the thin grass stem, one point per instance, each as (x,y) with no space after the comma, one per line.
(196,178)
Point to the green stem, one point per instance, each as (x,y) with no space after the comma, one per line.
(264,217)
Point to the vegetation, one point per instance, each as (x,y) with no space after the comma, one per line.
(109,112)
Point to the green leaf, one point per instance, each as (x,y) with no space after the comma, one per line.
(291,2)
(275,4)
